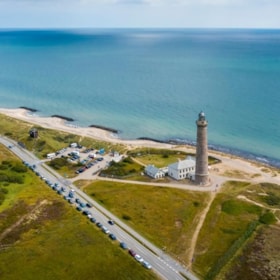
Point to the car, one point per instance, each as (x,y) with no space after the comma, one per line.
(79,208)
(92,219)
(146,265)
(111,222)
(105,230)
(131,252)
(112,236)
(138,258)
(99,224)
(71,200)
(87,213)
(82,205)
(78,200)
(71,194)
(123,245)
(89,205)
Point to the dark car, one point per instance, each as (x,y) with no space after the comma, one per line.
(71,194)
(89,205)
(111,222)
(131,252)
(123,245)
(86,212)
(112,236)
(99,224)
(93,220)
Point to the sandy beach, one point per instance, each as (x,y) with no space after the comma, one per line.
(60,124)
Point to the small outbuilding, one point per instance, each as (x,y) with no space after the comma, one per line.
(154,172)
(33,133)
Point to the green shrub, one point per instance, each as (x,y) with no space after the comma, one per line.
(272,199)
(128,160)
(4,177)
(58,163)
(268,218)
(126,217)
(20,168)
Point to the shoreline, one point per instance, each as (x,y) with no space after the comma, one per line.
(102,133)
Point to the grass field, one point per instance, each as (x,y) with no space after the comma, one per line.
(228,222)
(162,157)
(165,216)
(43,237)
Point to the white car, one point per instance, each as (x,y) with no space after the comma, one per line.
(138,258)
(146,265)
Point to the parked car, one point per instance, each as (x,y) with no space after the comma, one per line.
(146,265)
(105,230)
(82,205)
(138,258)
(112,236)
(123,245)
(111,222)
(131,252)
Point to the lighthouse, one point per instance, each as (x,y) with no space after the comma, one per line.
(201,164)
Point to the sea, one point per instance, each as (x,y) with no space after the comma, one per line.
(152,83)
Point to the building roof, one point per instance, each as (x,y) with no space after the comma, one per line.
(182,164)
(151,169)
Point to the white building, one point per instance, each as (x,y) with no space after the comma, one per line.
(154,172)
(116,157)
(182,169)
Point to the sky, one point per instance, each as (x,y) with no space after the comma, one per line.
(140,13)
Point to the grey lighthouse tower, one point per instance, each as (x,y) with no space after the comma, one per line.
(201,164)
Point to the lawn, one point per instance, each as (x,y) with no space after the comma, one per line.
(165,216)
(162,157)
(49,239)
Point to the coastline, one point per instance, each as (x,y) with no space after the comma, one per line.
(98,132)
(58,122)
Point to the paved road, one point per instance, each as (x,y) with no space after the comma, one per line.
(162,264)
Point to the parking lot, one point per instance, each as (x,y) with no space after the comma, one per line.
(92,160)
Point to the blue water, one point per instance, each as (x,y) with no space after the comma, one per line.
(152,83)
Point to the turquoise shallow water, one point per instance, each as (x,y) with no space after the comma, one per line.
(152,83)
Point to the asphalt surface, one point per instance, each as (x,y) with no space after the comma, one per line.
(164,265)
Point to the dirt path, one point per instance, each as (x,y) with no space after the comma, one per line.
(198,228)
(243,197)
(22,219)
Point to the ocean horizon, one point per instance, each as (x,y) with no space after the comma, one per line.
(152,83)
